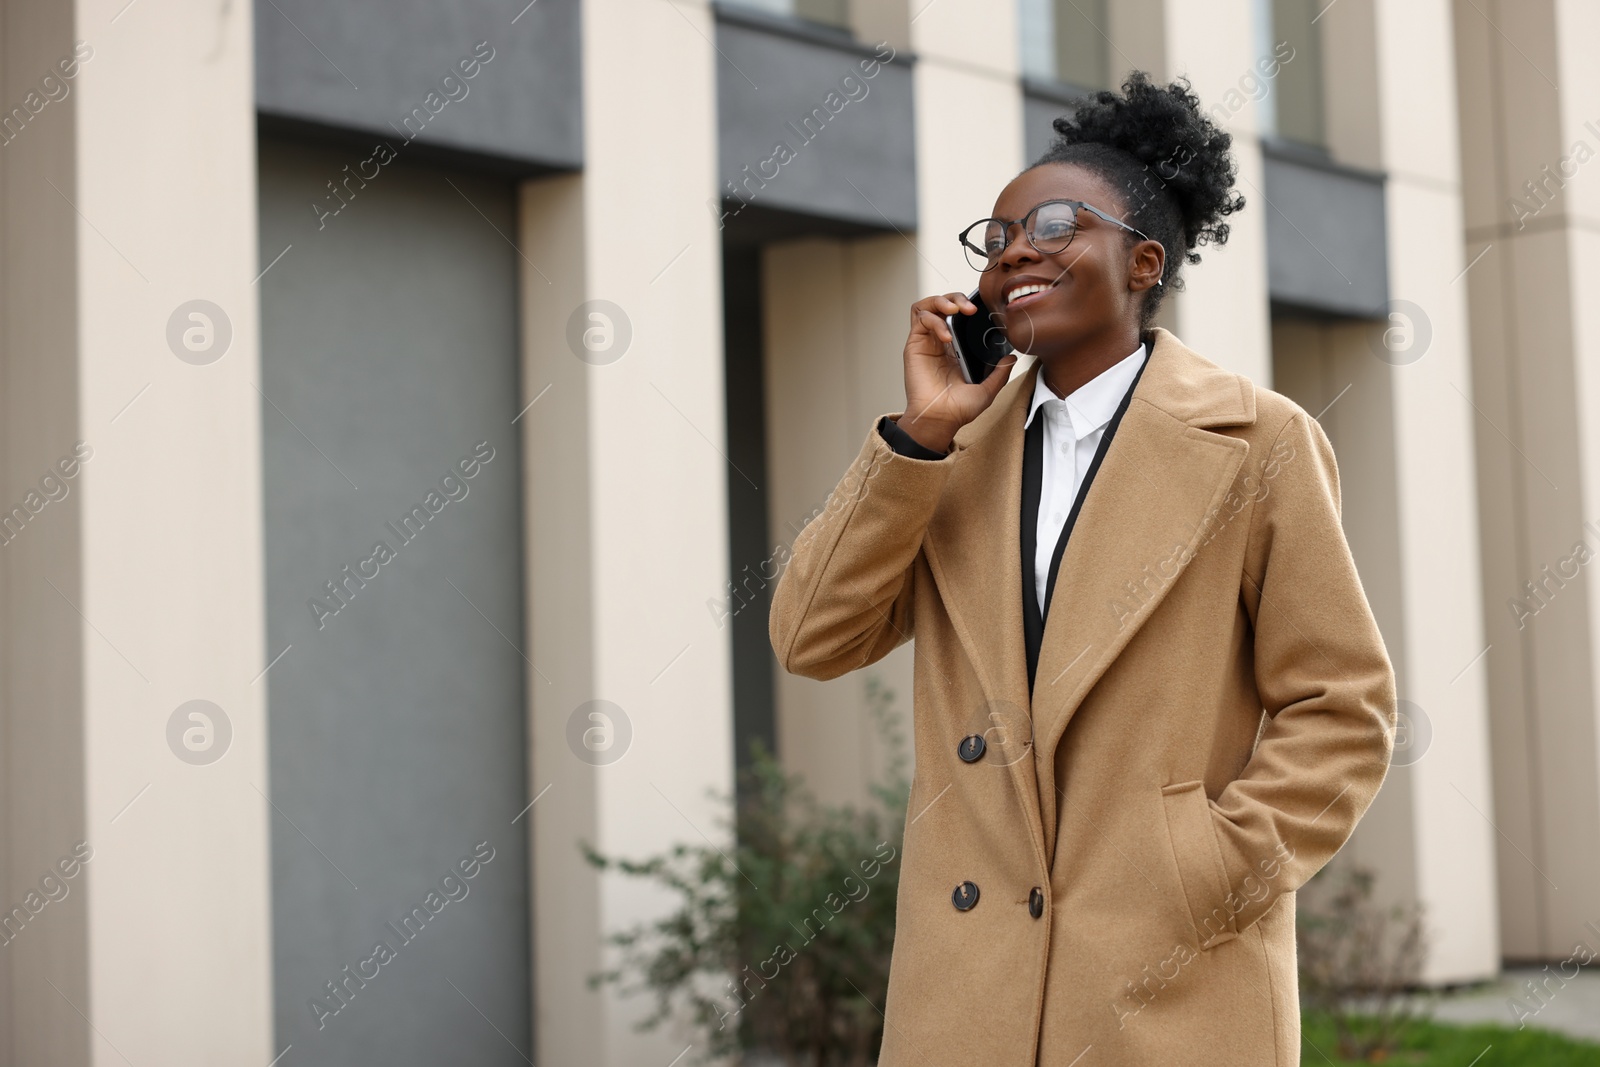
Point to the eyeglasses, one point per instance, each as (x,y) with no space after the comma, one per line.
(1049,227)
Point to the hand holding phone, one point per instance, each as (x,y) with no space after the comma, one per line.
(945,391)
(979,341)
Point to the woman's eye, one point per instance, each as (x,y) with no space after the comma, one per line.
(1052,229)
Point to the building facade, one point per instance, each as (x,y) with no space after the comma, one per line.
(407,407)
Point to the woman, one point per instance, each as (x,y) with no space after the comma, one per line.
(1150,697)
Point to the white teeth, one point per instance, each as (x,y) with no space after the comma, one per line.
(1024,290)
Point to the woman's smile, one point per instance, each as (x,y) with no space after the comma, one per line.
(1026,289)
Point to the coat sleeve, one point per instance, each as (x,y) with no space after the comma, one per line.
(844,600)
(1324,678)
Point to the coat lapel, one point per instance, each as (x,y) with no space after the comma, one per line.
(1143,517)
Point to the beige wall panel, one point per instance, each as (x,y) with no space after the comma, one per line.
(1353,114)
(626,463)
(942,35)
(1578,28)
(964,81)
(1433,427)
(1525,78)
(1136,30)
(1222,312)
(1329,370)
(1416,86)
(567,912)
(1501,486)
(1523,67)
(835,315)
(1577,731)
(146,591)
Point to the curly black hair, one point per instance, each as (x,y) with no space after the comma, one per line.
(1169,161)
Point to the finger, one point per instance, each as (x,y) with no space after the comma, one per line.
(949,303)
(998,377)
(934,323)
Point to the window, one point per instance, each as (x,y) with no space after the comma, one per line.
(1292,107)
(828,12)
(1065,41)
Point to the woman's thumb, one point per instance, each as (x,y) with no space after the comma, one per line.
(998,377)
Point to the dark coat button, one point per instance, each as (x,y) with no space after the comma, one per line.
(971,748)
(1036,902)
(964,896)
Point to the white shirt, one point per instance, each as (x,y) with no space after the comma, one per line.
(1072,431)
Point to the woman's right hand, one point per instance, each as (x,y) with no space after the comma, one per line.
(939,401)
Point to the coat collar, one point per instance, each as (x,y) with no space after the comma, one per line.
(1146,510)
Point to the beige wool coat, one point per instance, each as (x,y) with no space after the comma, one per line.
(1213,712)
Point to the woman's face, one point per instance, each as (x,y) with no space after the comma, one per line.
(1094,286)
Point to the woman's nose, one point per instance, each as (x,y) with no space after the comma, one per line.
(1019,250)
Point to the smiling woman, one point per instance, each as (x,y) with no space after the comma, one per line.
(1198,750)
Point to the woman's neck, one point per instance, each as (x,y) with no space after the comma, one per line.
(1069,371)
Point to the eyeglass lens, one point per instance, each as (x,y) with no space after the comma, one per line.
(1049,227)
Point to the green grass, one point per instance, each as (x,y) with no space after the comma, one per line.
(1428,1044)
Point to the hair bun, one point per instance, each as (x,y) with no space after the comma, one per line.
(1179,151)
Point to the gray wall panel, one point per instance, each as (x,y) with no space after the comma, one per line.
(1327,237)
(397,733)
(855,163)
(367,64)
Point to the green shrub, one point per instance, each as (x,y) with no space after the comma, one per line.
(781,942)
(1360,963)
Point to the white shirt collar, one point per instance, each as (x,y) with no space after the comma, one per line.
(1091,405)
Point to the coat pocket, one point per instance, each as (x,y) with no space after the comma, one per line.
(1200,866)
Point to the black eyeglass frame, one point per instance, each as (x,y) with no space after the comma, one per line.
(1027,231)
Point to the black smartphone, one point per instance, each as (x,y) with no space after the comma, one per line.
(980,343)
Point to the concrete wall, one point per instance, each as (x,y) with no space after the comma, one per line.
(835,315)
(626,511)
(1222,312)
(127,197)
(1531,217)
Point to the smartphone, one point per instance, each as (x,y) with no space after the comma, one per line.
(979,343)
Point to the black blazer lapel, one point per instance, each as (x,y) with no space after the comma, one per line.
(1033,616)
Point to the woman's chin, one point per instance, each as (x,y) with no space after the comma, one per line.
(1035,331)
(1032,342)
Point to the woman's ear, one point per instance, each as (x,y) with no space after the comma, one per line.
(1147,261)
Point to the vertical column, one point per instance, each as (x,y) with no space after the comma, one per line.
(1222,312)
(132,562)
(1328,367)
(965,82)
(1530,206)
(1406,428)
(828,375)
(41,654)
(1136,35)
(627,511)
